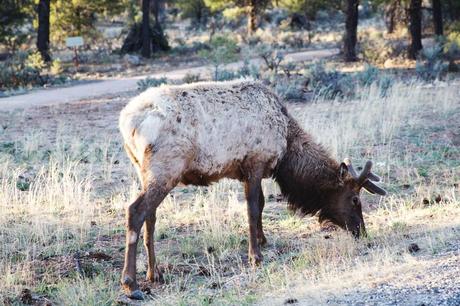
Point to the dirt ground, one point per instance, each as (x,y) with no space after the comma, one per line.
(430,278)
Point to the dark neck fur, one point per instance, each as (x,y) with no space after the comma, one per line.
(307,175)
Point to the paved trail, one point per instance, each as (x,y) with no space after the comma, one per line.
(112,86)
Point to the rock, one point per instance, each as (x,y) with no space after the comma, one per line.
(131,59)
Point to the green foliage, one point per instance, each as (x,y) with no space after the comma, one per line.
(232,9)
(21,70)
(78,17)
(290,89)
(430,65)
(329,84)
(309,7)
(372,75)
(375,48)
(56,67)
(271,57)
(194,9)
(191,78)
(223,50)
(150,82)
(369,75)
(13,16)
(249,70)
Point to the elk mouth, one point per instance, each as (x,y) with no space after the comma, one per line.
(359,231)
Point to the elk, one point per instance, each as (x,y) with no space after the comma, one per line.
(202,132)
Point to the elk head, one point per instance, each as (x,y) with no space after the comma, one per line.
(345,208)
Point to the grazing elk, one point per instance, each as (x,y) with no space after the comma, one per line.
(199,133)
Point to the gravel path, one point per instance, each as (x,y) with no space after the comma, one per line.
(432,282)
(52,96)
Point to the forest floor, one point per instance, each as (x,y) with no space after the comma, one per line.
(65,180)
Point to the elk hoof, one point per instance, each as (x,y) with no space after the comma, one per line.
(136,295)
(262,241)
(255,259)
(131,289)
(155,277)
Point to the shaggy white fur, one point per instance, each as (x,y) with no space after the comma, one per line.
(204,127)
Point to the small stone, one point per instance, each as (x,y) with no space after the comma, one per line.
(438,198)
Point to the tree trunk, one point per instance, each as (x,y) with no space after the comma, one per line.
(390,16)
(252,16)
(437,17)
(351,28)
(156,12)
(43,31)
(415,28)
(146,39)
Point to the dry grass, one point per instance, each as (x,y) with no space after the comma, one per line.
(63,237)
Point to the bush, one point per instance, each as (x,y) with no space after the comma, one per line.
(191,78)
(328,84)
(150,82)
(290,90)
(249,70)
(22,70)
(271,57)
(430,65)
(223,50)
(372,75)
(369,75)
(226,75)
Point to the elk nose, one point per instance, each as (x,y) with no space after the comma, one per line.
(359,232)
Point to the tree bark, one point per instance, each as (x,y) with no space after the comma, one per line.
(43,31)
(252,16)
(390,16)
(437,17)
(415,28)
(351,28)
(146,39)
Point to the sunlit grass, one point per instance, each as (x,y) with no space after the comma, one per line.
(63,200)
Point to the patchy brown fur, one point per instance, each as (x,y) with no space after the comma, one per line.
(311,181)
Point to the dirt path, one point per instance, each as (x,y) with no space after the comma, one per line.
(112,86)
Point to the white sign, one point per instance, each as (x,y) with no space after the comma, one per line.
(76,41)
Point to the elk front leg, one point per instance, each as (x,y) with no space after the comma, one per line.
(136,214)
(260,232)
(253,190)
(153,273)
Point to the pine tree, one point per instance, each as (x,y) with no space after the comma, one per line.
(43,30)
(351,27)
(415,28)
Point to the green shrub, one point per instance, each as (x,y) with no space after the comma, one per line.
(369,75)
(289,89)
(430,65)
(225,75)
(150,82)
(328,84)
(21,70)
(56,67)
(223,50)
(249,70)
(271,57)
(191,78)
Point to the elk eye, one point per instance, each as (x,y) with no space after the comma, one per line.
(355,201)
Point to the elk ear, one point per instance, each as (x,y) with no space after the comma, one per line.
(343,170)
